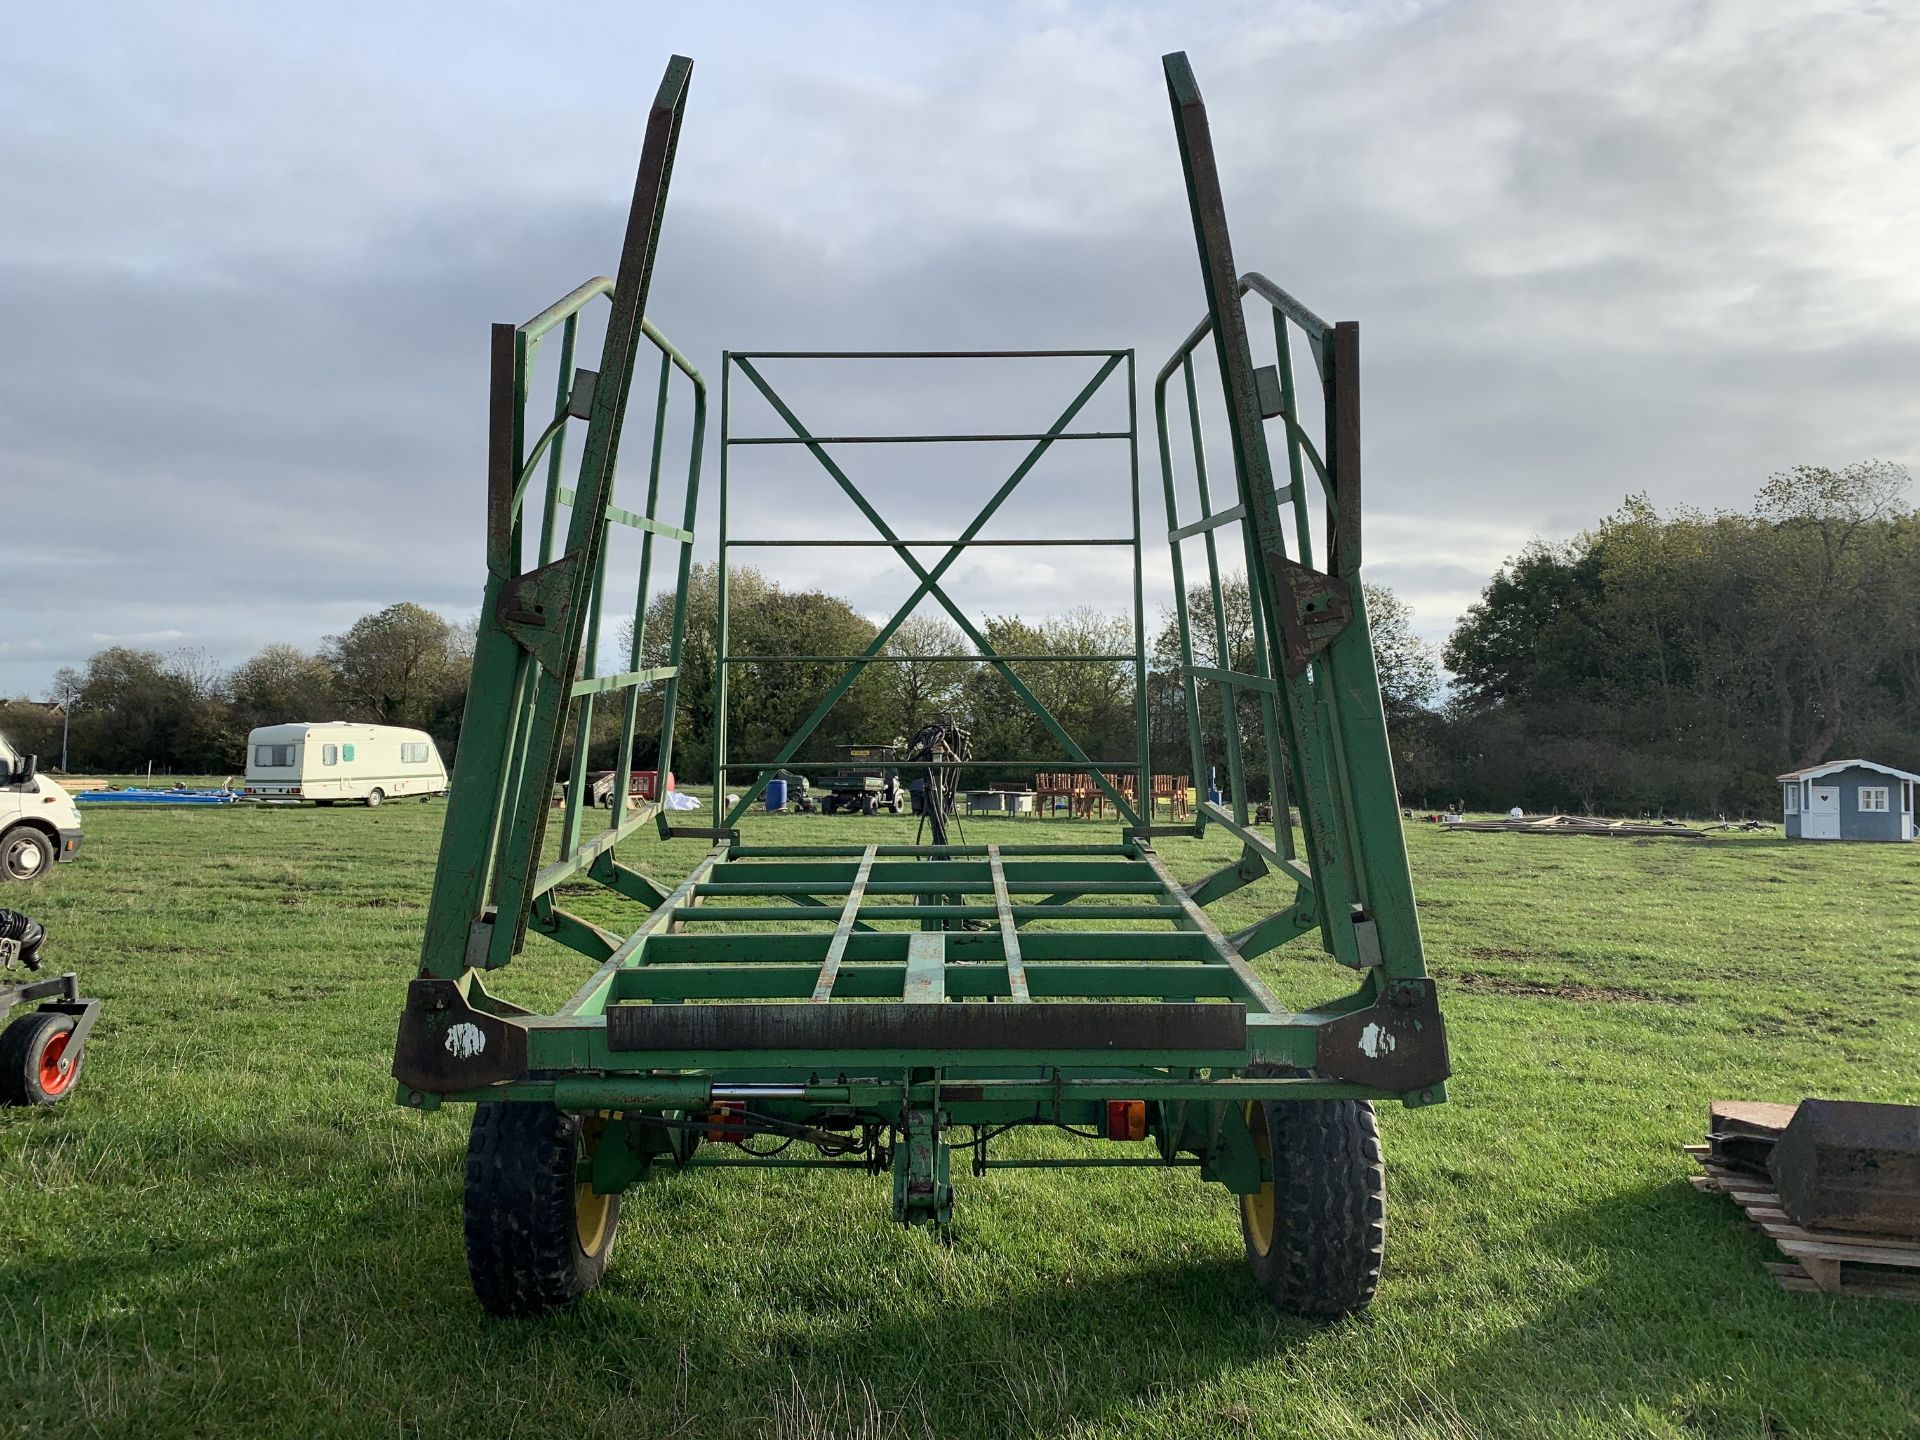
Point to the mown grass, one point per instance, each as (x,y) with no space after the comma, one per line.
(229,1229)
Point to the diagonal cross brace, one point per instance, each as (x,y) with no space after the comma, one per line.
(930,585)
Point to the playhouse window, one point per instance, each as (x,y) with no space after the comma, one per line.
(1873,798)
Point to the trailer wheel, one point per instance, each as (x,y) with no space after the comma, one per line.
(537,1236)
(1315,1233)
(35,1068)
(26,854)
(871,805)
(374,797)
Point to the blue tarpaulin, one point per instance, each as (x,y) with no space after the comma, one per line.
(158,797)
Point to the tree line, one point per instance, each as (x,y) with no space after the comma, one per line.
(1655,663)
(180,713)
(1679,662)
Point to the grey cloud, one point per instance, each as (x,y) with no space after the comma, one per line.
(1593,249)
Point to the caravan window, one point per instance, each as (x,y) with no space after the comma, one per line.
(329,754)
(415,754)
(346,753)
(273,757)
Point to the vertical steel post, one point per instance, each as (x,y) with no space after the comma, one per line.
(720,604)
(623,767)
(1196,755)
(1223,654)
(1143,784)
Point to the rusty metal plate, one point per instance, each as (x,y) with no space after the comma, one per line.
(1313,608)
(1398,1043)
(445,1044)
(803,1026)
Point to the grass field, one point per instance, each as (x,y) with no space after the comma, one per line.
(230,1230)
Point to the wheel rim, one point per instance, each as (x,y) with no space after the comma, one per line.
(591,1212)
(1256,1210)
(23,859)
(56,1071)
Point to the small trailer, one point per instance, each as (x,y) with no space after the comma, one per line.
(888,1008)
(331,761)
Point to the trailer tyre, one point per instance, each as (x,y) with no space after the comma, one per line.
(35,1066)
(26,854)
(1316,1233)
(537,1238)
(374,797)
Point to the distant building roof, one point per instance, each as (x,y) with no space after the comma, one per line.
(1814,772)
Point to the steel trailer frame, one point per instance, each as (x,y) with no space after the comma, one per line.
(1072,985)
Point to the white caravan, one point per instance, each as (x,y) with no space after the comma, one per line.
(39,823)
(333,760)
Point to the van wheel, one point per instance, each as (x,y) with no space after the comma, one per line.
(26,854)
(374,797)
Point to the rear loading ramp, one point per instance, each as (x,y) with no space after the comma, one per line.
(882,1005)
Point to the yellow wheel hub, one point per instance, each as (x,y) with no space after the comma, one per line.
(1256,1210)
(591,1212)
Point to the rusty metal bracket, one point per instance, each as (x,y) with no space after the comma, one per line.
(1313,607)
(1398,1043)
(446,1044)
(534,608)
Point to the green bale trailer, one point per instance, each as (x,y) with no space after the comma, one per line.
(880,1006)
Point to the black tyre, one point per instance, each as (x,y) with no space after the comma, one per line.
(871,805)
(374,797)
(26,854)
(35,1066)
(829,805)
(537,1237)
(1316,1233)
(323,802)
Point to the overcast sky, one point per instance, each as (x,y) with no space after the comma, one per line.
(250,253)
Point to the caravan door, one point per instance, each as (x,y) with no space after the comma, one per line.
(1822,820)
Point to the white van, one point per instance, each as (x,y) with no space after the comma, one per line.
(39,823)
(325,761)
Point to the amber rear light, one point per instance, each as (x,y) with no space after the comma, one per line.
(725,1112)
(1126,1120)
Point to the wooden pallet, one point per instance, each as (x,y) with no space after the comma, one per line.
(1818,1261)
